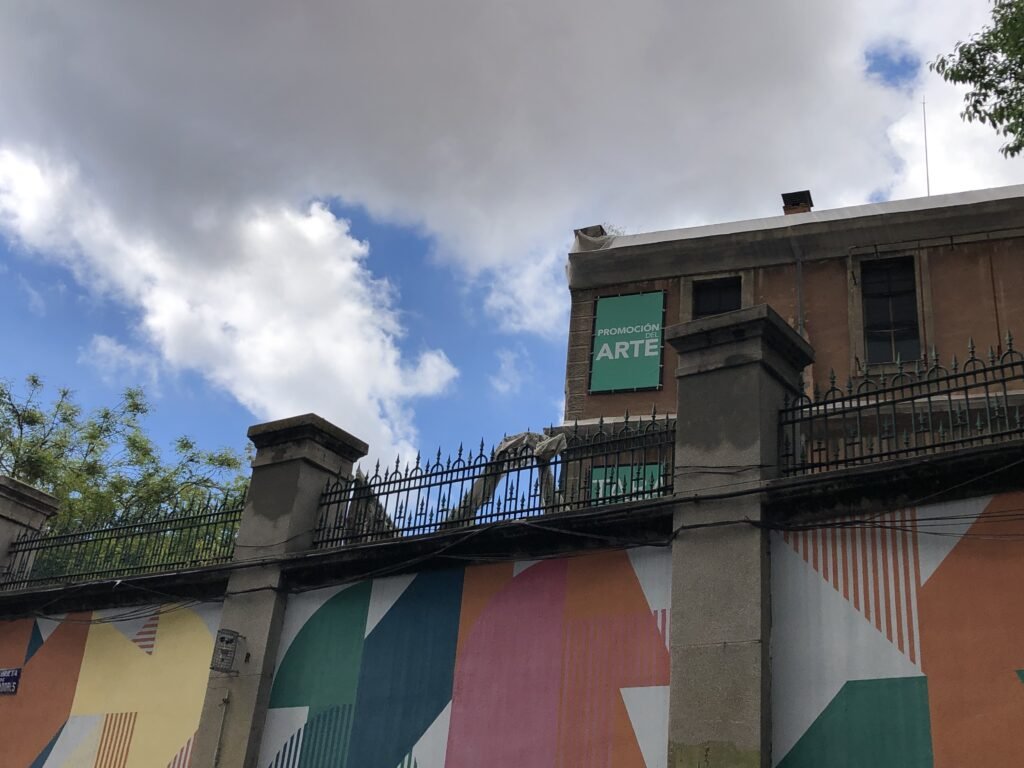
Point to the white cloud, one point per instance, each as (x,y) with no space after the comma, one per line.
(512,365)
(292,322)
(117,363)
(166,154)
(36,302)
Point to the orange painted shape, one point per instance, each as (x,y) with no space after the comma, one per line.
(611,641)
(47,689)
(971,621)
(625,751)
(481,583)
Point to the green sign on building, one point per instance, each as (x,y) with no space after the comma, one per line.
(626,351)
(624,483)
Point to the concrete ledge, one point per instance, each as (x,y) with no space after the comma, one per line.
(307,427)
(20,501)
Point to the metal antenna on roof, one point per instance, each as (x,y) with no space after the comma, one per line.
(927,176)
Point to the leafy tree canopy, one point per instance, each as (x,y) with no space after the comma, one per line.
(991,62)
(101,466)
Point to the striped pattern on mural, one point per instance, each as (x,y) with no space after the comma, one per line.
(877,568)
(115,740)
(661,620)
(145,638)
(288,756)
(184,757)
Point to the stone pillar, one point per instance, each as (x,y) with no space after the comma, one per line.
(22,508)
(294,460)
(734,373)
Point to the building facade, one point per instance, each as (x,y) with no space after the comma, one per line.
(864,286)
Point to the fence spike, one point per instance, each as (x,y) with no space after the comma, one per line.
(1009,342)
(831,378)
(625,417)
(970,347)
(991,355)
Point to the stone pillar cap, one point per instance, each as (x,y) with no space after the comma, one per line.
(26,496)
(310,427)
(760,320)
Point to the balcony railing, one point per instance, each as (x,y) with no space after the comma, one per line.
(525,476)
(920,410)
(189,535)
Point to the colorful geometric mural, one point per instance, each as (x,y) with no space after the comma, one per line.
(122,688)
(899,642)
(559,662)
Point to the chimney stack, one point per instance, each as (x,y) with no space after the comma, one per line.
(797,202)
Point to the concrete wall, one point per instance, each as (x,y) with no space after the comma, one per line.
(121,687)
(553,662)
(899,642)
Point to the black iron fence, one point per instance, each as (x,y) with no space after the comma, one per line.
(921,409)
(561,471)
(189,535)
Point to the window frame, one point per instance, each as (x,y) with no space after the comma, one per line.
(686,284)
(859,366)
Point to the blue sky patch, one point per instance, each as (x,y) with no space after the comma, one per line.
(893,63)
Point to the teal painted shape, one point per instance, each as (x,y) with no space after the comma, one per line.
(1020,675)
(321,667)
(35,641)
(325,738)
(40,761)
(869,724)
(320,670)
(407,671)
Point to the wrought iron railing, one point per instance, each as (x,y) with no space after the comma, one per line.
(918,410)
(189,535)
(564,470)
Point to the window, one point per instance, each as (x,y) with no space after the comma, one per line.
(890,310)
(713,297)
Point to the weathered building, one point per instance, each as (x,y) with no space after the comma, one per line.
(863,285)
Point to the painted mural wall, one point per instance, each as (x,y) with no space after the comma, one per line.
(560,662)
(121,688)
(901,642)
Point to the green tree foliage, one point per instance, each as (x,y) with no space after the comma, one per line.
(992,64)
(101,466)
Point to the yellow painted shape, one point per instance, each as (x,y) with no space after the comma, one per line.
(165,689)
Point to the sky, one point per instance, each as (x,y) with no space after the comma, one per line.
(363,209)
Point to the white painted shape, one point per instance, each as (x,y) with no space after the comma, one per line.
(127,627)
(819,642)
(278,727)
(648,712)
(432,748)
(653,569)
(384,593)
(298,610)
(46,626)
(209,614)
(933,548)
(80,738)
(521,565)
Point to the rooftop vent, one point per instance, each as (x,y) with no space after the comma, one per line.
(797,202)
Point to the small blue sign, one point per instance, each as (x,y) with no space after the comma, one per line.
(9,679)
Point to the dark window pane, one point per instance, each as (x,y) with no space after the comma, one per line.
(713,297)
(879,347)
(876,313)
(904,310)
(908,349)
